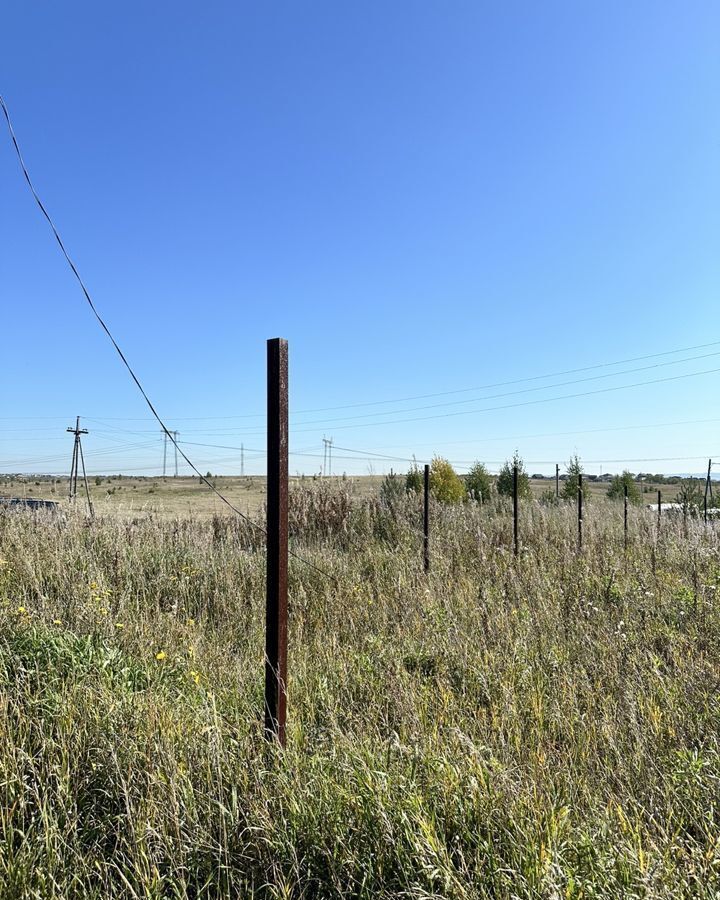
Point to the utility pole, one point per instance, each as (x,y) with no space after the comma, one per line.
(78,460)
(164,453)
(327,456)
(557,481)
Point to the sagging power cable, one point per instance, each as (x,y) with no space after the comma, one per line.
(122,356)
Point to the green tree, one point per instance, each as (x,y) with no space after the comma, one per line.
(392,488)
(445,483)
(691,493)
(570,487)
(414,480)
(505,478)
(479,483)
(616,490)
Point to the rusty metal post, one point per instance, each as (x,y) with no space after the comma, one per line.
(580,512)
(625,516)
(426,519)
(277,541)
(516,537)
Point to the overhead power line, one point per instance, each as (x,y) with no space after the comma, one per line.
(673,362)
(120,353)
(482,387)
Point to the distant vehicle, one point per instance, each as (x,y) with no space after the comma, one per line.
(29,503)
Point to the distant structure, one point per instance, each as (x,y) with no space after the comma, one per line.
(327,456)
(78,460)
(174,440)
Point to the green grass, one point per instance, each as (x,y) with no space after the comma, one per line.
(539,727)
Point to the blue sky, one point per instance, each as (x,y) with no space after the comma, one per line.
(422,197)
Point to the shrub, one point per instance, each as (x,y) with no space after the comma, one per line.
(616,491)
(505,478)
(392,488)
(691,493)
(570,487)
(478,483)
(414,480)
(445,483)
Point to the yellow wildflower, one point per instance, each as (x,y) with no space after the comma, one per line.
(21,610)
(195,676)
(161,655)
(119,624)
(93,585)
(191,622)
(57,622)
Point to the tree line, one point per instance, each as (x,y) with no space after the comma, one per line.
(479,485)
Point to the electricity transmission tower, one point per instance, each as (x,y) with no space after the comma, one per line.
(78,460)
(165,441)
(327,456)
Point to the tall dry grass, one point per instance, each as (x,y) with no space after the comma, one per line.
(545,726)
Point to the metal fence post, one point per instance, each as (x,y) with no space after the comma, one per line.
(625,516)
(516,537)
(426,519)
(277,541)
(580,511)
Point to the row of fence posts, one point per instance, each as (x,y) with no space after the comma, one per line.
(276,625)
(516,518)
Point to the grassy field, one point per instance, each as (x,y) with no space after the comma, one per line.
(539,727)
(169,497)
(184,496)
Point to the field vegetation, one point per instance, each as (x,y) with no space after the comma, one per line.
(539,726)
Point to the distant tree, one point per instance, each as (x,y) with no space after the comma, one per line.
(445,483)
(570,487)
(478,483)
(392,488)
(616,489)
(504,482)
(414,480)
(691,493)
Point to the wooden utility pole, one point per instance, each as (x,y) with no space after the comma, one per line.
(78,460)
(277,541)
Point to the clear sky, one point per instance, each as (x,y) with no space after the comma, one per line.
(423,197)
